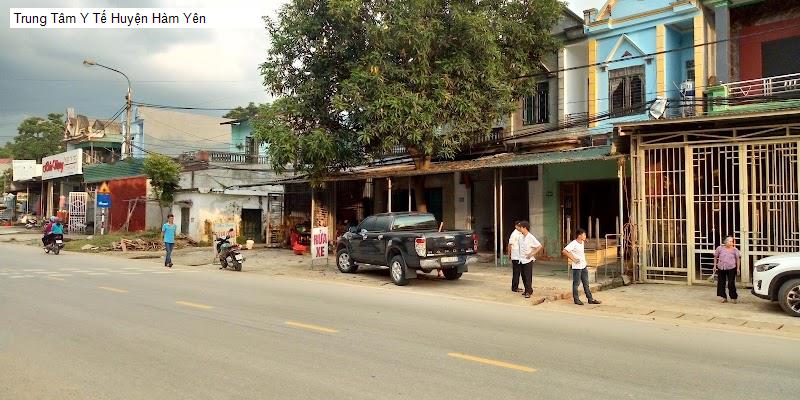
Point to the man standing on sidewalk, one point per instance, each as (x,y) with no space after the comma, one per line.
(528,248)
(727,264)
(168,236)
(513,254)
(580,275)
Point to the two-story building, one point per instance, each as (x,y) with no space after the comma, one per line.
(732,169)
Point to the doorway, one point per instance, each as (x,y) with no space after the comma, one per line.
(185,220)
(251,225)
(582,201)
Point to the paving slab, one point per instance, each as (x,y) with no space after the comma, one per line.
(696,317)
(666,314)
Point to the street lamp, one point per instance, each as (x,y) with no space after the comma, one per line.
(127,145)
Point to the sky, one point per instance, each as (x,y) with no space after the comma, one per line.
(42,71)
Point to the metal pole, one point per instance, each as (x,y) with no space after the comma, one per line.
(128,143)
(502,236)
(621,175)
(312,228)
(494,213)
(102,221)
(389,208)
(409,194)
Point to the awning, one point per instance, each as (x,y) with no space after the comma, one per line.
(503,160)
(128,168)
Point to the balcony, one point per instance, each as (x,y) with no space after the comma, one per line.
(225,157)
(775,92)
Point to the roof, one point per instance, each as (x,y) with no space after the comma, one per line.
(503,160)
(234,121)
(750,118)
(128,168)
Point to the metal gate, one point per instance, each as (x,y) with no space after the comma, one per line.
(77,211)
(691,196)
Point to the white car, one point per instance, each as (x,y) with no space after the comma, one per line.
(777,278)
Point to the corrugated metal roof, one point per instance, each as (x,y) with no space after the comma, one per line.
(127,168)
(559,157)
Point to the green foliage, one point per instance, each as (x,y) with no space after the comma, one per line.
(164,175)
(247,112)
(358,78)
(37,138)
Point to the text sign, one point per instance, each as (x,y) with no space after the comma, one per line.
(63,164)
(319,242)
(103,201)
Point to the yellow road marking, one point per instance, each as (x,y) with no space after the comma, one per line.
(195,305)
(111,289)
(311,327)
(488,361)
(55,278)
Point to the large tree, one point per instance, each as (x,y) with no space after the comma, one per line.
(37,138)
(358,78)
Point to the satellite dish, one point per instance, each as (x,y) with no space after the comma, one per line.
(658,107)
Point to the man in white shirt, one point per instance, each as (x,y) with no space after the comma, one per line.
(513,254)
(528,248)
(580,275)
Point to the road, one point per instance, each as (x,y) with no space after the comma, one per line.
(96,327)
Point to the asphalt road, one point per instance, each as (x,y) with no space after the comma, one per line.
(93,327)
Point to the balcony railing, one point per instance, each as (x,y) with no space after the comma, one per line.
(226,157)
(783,86)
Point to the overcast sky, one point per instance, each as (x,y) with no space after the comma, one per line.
(41,71)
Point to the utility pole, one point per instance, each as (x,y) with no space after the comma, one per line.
(127,145)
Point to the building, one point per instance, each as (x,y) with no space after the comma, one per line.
(733,168)
(100,140)
(157,130)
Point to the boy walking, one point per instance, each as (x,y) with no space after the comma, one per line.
(580,275)
(168,236)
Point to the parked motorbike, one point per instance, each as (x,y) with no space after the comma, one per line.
(230,255)
(54,243)
(32,223)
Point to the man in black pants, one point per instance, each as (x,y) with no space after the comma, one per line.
(528,248)
(513,254)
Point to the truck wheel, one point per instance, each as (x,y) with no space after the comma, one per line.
(397,270)
(789,297)
(451,274)
(344,262)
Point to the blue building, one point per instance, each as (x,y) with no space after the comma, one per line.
(639,51)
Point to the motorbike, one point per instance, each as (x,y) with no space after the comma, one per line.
(32,223)
(230,255)
(54,243)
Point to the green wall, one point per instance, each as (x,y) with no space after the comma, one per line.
(553,174)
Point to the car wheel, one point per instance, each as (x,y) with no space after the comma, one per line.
(345,263)
(451,274)
(789,297)
(397,270)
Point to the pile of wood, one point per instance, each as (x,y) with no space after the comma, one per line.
(150,245)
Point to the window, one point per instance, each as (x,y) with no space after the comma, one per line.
(690,70)
(626,91)
(415,222)
(367,225)
(382,223)
(251,146)
(536,106)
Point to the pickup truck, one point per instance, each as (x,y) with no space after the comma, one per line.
(406,242)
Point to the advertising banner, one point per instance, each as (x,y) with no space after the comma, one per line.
(63,164)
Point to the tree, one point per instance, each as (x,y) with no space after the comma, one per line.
(38,137)
(164,175)
(247,112)
(359,78)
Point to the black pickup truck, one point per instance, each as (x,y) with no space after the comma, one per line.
(405,242)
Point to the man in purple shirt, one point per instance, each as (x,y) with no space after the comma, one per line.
(727,264)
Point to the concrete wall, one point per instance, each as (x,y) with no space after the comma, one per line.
(239,134)
(172,133)
(211,213)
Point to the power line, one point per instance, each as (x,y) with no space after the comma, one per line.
(180,107)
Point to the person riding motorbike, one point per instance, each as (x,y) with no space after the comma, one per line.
(48,230)
(223,244)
